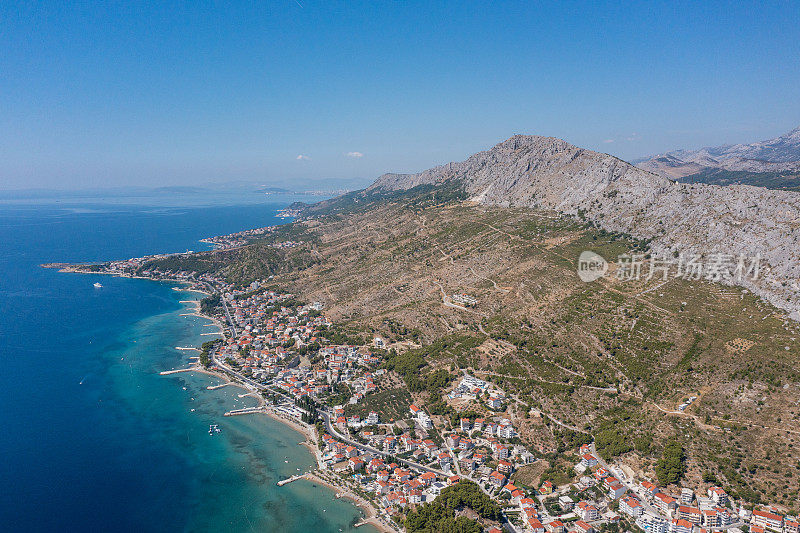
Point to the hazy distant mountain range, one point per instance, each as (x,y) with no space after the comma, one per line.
(774,163)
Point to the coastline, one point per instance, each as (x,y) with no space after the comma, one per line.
(371,517)
(196,312)
(310,442)
(196,368)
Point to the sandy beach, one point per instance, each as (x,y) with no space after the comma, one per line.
(370,512)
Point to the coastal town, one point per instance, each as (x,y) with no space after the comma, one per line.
(393,457)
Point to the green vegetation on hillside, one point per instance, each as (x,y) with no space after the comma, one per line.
(611,359)
(410,363)
(239,266)
(440,515)
(672,465)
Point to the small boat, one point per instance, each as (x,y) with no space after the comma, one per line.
(213,428)
(98,285)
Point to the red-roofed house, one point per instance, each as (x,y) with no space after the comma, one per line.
(356,463)
(718,495)
(691,514)
(536,526)
(679,525)
(711,518)
(768,520)
(587,511)
(630,506)
(616,490)
(497,479)
(650,490)
(665,503)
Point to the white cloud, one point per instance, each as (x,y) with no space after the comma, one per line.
(302,157)
(608,141)
(355,154)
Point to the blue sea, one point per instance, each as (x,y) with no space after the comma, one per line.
(92,438)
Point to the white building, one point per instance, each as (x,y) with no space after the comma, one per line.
(630,506)
(424,420)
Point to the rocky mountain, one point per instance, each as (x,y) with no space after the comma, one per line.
(781,154)
(545,172)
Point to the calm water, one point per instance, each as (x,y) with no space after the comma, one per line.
(92,438)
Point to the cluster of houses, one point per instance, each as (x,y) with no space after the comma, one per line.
(472,388)
(655,511)
(273,336)
(344,364)
(234,240)
(420,417)
(578,518)
(394,486)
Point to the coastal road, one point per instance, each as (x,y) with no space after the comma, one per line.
(224,305)
(326,417)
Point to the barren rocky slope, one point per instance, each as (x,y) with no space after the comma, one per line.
(545,172)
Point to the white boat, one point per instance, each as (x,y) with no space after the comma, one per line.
(97,285)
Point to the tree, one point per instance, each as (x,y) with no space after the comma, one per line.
(672,465)
(439,516)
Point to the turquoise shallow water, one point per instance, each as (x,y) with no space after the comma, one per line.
(233,488)
(93,437)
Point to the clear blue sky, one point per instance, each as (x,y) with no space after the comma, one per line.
(126,94)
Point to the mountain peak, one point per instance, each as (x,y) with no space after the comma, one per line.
(545,172)
(530,170)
